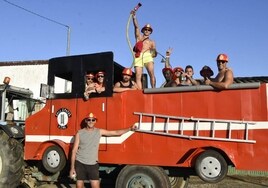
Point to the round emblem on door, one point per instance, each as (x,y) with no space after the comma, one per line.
(63,116)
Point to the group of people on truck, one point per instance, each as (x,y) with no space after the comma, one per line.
(144,54)
(94,83)
(145,51)
(174,77)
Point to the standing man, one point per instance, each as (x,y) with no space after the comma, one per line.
(145,51)
(225,76)
(126,83)
(84,159)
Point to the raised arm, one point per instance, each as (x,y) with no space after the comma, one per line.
(136,26)
(167,62)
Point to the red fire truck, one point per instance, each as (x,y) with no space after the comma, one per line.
(179,128)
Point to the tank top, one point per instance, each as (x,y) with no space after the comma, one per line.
(88,146)
(129,86)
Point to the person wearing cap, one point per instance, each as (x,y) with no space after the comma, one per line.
(178,72)
(225,75)
(84,156)
(206,72)
(100,85)
(90,85)
(145,51)
(188,75)
(169,78)
(126,84)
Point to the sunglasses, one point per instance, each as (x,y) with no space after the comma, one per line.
(89,78)
(147,30)
(91,120)
(101,76)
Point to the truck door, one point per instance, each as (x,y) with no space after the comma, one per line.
(63,110)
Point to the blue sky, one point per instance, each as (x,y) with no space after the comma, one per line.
(197,30)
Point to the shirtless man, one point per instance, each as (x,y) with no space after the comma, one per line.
(145,51)
(126,83)
(225,76)
(188,74)
(168,74)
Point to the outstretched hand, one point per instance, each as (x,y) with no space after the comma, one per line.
(133,128)
(169,51)
(133,13)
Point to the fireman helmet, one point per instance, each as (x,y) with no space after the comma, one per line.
(100,73)
(147,26)
(167,69)
(91,116)
(206,72)
(90,75)
(127,71)
(178,69)
(222,57)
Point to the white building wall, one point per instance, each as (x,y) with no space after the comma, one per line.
(26,76)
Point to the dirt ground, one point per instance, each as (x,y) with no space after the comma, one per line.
(194,182)
(232,182)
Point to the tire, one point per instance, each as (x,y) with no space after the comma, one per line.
(179,182)
(211,167)
(53,159)
(11,161)
(142,176)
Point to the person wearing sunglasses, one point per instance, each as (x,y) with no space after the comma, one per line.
(100,85)
(84,157)
(188,75)
(90,85)
(225,75)
(178,72)
(145,51)
(169,75)
(126,83)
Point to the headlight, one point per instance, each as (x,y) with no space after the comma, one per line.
(14,130)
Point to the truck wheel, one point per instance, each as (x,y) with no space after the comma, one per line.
(211,167)
(53,159)
(11,161)
(178,182)
(142,176)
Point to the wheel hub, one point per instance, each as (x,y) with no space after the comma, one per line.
(210,167)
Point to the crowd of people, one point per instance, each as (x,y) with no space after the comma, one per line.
(223,79)
(84,158)
(145,52)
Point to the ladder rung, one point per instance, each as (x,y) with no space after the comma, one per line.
(196,123)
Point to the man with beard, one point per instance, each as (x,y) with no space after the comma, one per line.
(225,76)
(126,83)
(84,158)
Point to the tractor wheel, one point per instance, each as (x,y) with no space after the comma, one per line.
(178,182)
(11,161)
(54,159)
(211,167)
(142,176)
